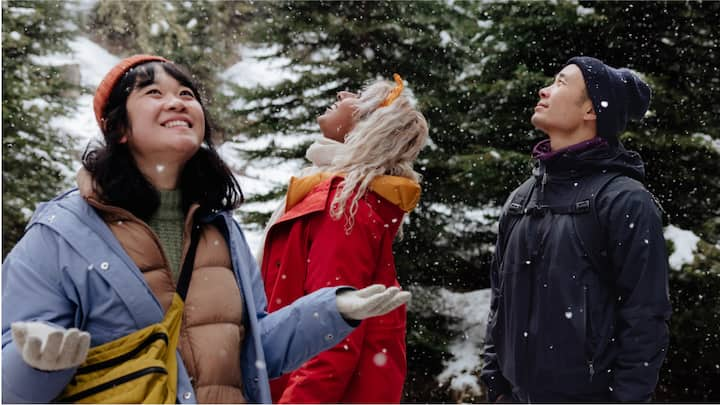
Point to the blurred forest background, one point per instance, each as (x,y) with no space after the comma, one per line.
(474,68)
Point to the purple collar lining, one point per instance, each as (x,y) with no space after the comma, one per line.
(543,151)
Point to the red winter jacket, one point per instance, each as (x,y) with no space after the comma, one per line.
(306,250)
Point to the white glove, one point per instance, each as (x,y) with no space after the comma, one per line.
(50,348)
(371,301)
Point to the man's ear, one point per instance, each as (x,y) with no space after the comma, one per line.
(589,112)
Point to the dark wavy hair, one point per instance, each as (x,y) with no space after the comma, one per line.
(205,178)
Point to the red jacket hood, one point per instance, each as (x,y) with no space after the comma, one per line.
(400,191)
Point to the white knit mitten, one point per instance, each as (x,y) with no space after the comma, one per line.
(50,348)
(371,301)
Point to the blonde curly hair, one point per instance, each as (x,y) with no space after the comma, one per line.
(384,141)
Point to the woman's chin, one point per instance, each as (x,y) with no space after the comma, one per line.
(184,150)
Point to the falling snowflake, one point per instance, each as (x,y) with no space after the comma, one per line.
(380,359)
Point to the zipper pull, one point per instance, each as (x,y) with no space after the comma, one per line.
(591,369)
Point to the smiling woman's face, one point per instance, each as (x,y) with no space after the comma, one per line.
(338,119)
(166,120)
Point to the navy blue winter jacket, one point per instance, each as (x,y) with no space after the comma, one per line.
(561,330)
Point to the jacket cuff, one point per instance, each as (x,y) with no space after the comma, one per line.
(497,385)
(493,395)
(351,322)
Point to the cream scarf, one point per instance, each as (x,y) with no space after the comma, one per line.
(321,154)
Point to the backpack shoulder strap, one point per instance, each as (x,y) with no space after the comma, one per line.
(515,208)
(186,272)
(587,223)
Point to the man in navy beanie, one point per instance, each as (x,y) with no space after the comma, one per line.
(580,299)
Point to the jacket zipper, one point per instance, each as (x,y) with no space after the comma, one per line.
(533,257)
(588,352)
(112,383)
(540,200)
(527,336)
(123,357)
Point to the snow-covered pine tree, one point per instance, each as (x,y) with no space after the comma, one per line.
(33,153)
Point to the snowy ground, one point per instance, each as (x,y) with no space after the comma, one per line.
(265,174)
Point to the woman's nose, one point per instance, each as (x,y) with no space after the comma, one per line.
(175,104)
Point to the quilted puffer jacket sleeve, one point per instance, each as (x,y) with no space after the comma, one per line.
(33,290)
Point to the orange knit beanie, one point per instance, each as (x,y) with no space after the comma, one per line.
(113,77)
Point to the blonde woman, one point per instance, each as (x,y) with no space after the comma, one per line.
(337,228)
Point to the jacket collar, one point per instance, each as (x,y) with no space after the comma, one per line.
(81,226)
(310,193)
(113,213)
(589,157)
(543,151)
(400,191)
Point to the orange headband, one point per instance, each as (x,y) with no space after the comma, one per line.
(394,93)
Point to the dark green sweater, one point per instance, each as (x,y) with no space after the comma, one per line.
(168,222)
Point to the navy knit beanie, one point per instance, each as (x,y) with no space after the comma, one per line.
(616,94)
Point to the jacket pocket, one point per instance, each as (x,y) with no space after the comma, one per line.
(114,383)
(589,341)
(114,361)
